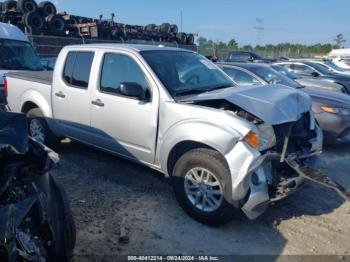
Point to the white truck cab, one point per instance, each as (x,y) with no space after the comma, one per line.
(16,53)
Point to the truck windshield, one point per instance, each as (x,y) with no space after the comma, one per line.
(183,72)
(18,55)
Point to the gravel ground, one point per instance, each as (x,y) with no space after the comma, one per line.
(108,193)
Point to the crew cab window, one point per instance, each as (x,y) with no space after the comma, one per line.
(117,69)
(240,77)
(77,69)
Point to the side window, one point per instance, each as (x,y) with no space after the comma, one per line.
(68,67)
(119,69)
(302,70)
(78,68)
(241,77)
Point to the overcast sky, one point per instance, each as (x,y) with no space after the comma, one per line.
(295,21)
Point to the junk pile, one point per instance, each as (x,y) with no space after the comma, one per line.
(43,19)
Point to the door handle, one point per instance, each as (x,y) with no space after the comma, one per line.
(98,103)
(60,94)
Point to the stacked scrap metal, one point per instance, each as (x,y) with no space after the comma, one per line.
(43,19)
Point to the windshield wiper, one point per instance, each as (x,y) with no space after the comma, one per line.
(201,90)
(190,91)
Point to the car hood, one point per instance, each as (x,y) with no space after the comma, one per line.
(274,104)
(328,97)
(313,82)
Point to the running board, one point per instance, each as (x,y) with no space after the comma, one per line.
(318,177)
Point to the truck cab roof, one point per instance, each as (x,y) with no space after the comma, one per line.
(133,47)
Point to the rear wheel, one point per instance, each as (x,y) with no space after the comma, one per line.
(202,185)
(39,129)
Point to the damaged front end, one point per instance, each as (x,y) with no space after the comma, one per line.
(275,173)
(278,159)
(26,218)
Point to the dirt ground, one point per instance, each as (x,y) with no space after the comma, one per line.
(106,191)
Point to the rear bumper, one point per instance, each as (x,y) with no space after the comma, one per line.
(336,128)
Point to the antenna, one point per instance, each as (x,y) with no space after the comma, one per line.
(259,27)
(181,21)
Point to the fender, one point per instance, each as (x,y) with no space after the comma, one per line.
(38,99)
(220,138)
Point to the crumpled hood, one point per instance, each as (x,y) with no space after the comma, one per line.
(274,104)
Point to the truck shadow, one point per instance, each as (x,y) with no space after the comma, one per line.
(166,223)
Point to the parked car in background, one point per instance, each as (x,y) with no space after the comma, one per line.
(310,81)
(342,62)
(332,110)
(16,53)
(312,69)
(48,63)
(332,67)
(247,57)
(177,112)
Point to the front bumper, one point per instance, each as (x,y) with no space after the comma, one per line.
(253,175)
(336,128)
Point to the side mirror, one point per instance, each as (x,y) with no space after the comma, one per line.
(315,74)
(251,59)
(133,90)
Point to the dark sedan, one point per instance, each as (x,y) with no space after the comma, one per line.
(332,110)
(317,70)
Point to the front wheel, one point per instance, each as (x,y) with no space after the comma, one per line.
(202,185)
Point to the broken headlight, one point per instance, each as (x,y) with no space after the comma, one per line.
(267,137)
(338,111)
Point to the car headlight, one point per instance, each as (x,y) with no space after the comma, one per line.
(334,110)
(267,137)
(264,140)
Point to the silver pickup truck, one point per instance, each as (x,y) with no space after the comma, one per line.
(173,110)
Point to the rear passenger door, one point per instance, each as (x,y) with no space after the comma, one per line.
(71,95)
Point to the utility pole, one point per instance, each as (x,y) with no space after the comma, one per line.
(259,27)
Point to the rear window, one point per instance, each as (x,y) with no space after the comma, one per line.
(77,69)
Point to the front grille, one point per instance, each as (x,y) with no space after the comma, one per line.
(299,134)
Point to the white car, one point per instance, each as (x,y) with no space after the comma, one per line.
(342,62)
(16,53)
(333,67)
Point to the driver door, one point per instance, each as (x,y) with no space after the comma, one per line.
(124,125)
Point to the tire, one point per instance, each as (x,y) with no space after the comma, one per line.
(39,129)
(34,21)
(9,5)
(182,38)
(56,24)
(26,6)
(54,206)
(47,8)
(150,28)
(190,39)
(174,29)
(214,164)
(63,224)
(165,28)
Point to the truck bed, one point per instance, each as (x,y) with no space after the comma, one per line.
(43,77)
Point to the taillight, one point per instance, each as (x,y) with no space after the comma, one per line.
(5,88)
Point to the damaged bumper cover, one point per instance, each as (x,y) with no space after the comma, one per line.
(253,175)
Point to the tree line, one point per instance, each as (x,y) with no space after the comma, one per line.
(221,49)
